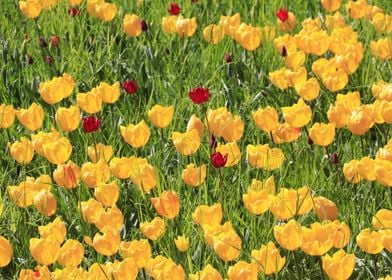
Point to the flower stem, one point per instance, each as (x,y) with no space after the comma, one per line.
(321,267)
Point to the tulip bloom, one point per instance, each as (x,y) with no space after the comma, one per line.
(7,115)
(154,229)
(339,266)
(268,259)
(266,119)
(325,208)
(91,123)
(208,215)
(57,89)
(174,9)
(243,270)
(108,243)
(58,151)
(208,272)
(136,135)
(289,235)
(163,268)
(222,123)
(370,241)
(195,123)
(194,176)
(55,229)
(90,102)
(167,204)
(67,175)
(71,253)
(182,243)
(6,252)
(161,116)
(68,119)
(45,251)
(382,219)
(45,203)
(23,151)
(186,143)
(31,118)
(213,34)
(199,95)
(218,160)
(132,27)
(130,86)
(322,134)
(138,250)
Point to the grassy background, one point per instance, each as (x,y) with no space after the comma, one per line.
(166,68)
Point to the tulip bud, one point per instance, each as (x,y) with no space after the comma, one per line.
(144,25)
(218,160)
(43,43)
(49,59)
(174,9)
(73,12)
(228,57)
(54,40)
(130,86)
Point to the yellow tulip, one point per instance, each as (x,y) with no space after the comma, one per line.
(322,134)
(331,5)
(106,11)
(359,121)
(161,116)
(287,25)
(164,268)
(230,24)
(339,266)
(351,173)
(107,194)
(194,176)
(138,250)
(316,240)
(94,174)
(131,25)
(325,208)
(367,168)
(259,195)
(248,36)
(186,143)
(262,156)
(208,215)
(186,27)
(243,270)
(6,252)
(232,151)
(167,204)
(67,175)
(289,235)
(31,118)
(266,119)
(357,9)
(109,93)
(30,8)
(125,269)
(100,151)
(108,243)
(57,89)
(44,251)
(222,124)
(154,229)
(90,102)
(120,167)
(297,115)
(7,115)
(71,253)
(370,241)
(195,123)
(384,172)
(110,218)
(91,210)
(58,151)
(382,219)
(22,151)
(42,138)
(268,259)
(45,203)
(92,5)
(56,229)
(213,33)
(169,24)
(182,243)
(136,135)
(208,273)
(309,90)
(68,119)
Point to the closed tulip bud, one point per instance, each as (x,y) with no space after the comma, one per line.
(322,134)
(370,241)
(268,259)
(248,37)
(266,119)
(382,219)
(208,273)
(195,123)
(132,25)
(22,151)
(228,58)
(136,135)
(138,250)
(351,173)
(174,9)
(67,175)
(161,116)
(297,115)
(58,151)
(44,251)
(194,176)
(289,235)
(243,270)
(208,215)
(31,118)
(107,194)
(100,151)
(45,203)
(68,119)
(182,243)
(325,208)
(213,34)
(71,253)
(6,252)
(130,86)
(108,243)
(94,174)
(56,229)
(339,266)
(154,229)
(223,124)
(186,143)
(167,204)
(144,25)
(7,115)
(218,160)
(106,11)
(317,240)
(186,27)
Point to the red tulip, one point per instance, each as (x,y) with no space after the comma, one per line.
(144,25)
(199,95)
(228,57)
(130,86)
(73,12)
(284,51)
(282,14)
(218,160)
(91,123)
(174,9)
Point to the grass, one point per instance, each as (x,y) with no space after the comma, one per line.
(166,68)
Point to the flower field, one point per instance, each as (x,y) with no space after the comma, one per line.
(196,139)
